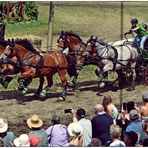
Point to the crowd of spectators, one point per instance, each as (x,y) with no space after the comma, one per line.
(107,127)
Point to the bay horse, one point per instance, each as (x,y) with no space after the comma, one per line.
(114,58)
(77,55)
(9,68)
(38,65)
(73,47)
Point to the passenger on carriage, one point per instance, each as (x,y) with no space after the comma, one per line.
(140,30)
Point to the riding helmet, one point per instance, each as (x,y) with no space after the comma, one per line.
(134,21)
(55,119)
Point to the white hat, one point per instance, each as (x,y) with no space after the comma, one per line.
(22,140)
(3,125)
(74,128)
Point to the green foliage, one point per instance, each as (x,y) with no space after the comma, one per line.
(31,10)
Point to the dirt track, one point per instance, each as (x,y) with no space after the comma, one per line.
(16,108)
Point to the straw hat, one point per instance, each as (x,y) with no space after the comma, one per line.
(74,129)
(3,125)
(34,121)
(22,140)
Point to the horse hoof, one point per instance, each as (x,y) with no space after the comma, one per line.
(24,91)
(130,89)
(101,84)
(61,98)
(71,85)
(43,94)
(5,85)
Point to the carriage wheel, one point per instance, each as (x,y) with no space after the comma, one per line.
(146,74)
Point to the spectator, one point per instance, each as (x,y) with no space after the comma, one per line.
(135,124)
(110,108)
(130,106)
(22,140)
(145,143)
(57,133)
(34,141)
(130,138)
(145,129)
(95,142)
(5,136)
(35,124)
(101,123)
(79,116)
(125,118)
(144,108)
(75,131)
(115,132)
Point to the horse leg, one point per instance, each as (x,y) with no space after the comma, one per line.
(132,78)
(29,73)
(43,93)
(5,80)
(62,75)
(103,72)
(39,91)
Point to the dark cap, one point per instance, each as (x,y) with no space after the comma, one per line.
(134,115)
(81,113)
(55,119)
(145,97)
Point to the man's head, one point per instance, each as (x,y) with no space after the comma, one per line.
(99,108)
(133,115)
(134,22)
(130,138)
(145,126)
(115,131)
(145,97)
(80,113)
(55,119)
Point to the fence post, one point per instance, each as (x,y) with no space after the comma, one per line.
(50,26)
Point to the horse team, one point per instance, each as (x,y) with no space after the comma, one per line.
(19,56)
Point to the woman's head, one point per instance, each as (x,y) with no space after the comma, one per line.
(130,106)
(106,101)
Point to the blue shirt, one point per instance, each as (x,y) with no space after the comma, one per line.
(135,126)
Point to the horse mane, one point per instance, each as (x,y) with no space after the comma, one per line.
(26,44)
(102,42)
(4,43)
(73,34)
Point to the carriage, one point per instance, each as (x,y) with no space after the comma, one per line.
(142,63)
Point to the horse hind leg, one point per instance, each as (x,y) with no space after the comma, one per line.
(62,75)
(132,79)
(40,92)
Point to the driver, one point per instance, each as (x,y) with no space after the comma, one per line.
(142,33)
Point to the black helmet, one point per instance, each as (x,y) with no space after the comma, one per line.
(55,119)
(134,21)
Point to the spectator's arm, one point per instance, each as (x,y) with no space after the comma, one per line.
(74,118)
(109,110)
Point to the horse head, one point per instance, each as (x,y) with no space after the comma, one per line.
(9,51)
(62,41)
(91,44)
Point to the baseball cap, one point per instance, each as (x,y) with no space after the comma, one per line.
(81,113)
(134,114)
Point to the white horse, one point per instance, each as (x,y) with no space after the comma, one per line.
(117,58)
